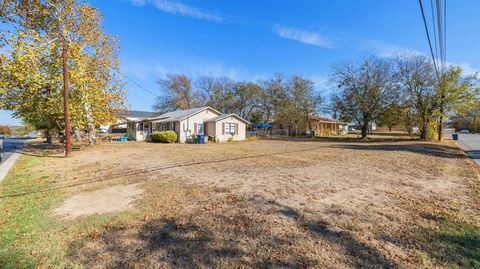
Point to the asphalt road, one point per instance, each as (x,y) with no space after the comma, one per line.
(470,143)
(12,145)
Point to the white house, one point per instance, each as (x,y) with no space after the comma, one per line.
(123,117)
(196,121)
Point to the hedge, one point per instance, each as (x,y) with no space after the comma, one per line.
(164,137)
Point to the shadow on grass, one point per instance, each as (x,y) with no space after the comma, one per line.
(360,254)
(229,240)
(456,244)
(44,150)
(437,150)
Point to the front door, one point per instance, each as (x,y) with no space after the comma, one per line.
(146,129)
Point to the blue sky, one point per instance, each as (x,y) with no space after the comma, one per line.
(253,39)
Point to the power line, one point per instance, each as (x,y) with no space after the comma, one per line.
(440,34)
(434,29)
(134,82)
(445,29)
(428,38)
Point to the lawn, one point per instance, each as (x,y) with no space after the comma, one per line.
(306,203)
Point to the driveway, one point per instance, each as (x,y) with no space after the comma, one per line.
(470,143)
(11,151)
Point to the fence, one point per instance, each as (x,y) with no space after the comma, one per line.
(268,133)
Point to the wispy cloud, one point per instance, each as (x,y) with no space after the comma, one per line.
(384,49)
(303,36)
(177,8)
(155,70)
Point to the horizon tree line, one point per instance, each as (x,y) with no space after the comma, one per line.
(401,91)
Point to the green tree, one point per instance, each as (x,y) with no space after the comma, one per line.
(366,89)
(59,48)
(391,116)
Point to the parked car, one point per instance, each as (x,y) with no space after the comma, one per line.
(2,135)
(1,150)
(464,131)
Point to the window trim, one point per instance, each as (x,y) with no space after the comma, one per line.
(228,128)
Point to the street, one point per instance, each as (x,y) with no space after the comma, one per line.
(11,152)
(470,143)
(10,146)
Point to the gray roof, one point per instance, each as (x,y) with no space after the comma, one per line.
(221,117)
(180,114)
(136,114)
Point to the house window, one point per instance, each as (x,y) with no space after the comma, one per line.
(230,128)
(200,128)
(146,128)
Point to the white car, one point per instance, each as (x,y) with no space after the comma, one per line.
(464,131)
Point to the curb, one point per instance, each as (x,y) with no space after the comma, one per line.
(7,165)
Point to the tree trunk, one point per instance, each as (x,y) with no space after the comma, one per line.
(48,136)
(390,128)
(68,141)
(92,139)
(424,130)
(364,129)
(78,136)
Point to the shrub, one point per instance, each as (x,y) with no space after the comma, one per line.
(230,138)
(164,137)
(192,139)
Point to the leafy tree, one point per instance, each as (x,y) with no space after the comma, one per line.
(366,89)
(391,116)
(62,45)
(430,98)
(417,82)
(6,129)
(305,101)
(248,100)
(290,101)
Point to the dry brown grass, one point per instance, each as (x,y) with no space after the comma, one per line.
(266,203)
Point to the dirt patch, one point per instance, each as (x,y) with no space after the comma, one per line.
(108,200)
(259,204)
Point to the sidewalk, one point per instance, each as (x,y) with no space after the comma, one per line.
(7,165)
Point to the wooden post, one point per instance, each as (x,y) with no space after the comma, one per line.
(68,140)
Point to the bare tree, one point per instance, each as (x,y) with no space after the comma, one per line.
(366,89)
(177,93)
(217,93)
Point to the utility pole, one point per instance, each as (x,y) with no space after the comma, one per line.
(68,140)
(442,97)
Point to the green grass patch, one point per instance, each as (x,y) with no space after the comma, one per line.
(454,245)
(24,227)
(30,235)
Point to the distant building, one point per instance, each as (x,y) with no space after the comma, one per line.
(323,126)
(191,122)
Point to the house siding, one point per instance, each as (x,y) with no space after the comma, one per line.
(187,126)
(241,127)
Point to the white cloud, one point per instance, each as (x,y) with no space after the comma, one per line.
(177,8)
(467,69)
(154,70)
(383,49)
(303,36)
